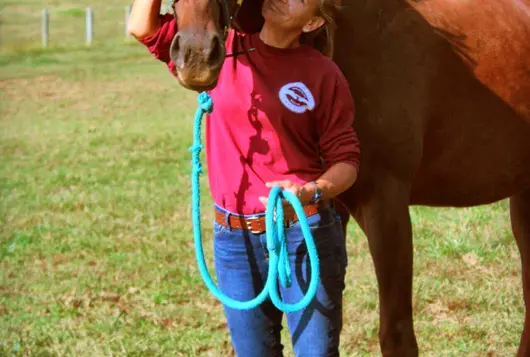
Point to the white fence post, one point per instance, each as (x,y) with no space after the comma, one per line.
(127,14)
(44,28)
(88,26)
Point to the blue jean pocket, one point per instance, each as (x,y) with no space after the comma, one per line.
(219,228)
(329,242)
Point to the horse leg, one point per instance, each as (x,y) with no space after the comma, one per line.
(520,217)
(384,218)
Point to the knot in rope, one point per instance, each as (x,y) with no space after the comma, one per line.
(205,102)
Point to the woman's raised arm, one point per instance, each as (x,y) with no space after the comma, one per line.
(144,20)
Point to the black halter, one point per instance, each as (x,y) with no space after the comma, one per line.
(226,21)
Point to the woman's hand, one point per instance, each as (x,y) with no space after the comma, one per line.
(303,192)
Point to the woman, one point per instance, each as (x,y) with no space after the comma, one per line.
(283,115)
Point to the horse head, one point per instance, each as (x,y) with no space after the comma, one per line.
(198,50)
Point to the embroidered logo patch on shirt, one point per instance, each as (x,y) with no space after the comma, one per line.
(297,97)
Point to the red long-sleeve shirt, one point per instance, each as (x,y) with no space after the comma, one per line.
(279,114)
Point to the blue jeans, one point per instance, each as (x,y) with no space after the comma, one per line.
(241,267)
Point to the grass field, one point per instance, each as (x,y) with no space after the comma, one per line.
(96,250)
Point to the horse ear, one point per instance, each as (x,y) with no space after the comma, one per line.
(248,18)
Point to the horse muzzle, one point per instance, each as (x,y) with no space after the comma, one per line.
(198,58)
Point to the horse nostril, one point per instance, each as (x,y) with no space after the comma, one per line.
(177,42)
(215,56)
(174,51)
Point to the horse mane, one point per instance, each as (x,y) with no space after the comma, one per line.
(249,20)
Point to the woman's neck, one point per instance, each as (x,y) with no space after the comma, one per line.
(279,39)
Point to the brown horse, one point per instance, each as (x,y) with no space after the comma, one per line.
(442,91)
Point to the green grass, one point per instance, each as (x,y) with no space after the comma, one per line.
(96,249)
(21,22)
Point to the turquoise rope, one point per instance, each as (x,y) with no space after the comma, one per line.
(276,242)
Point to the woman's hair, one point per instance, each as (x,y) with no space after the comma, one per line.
(249,20)
(323,38)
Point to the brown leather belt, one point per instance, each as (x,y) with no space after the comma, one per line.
(256,224)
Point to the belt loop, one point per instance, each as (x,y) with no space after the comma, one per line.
(227,220)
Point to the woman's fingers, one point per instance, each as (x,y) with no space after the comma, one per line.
(288,209)
(284,184)
(294,188)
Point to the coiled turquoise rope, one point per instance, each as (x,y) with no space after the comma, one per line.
(276,242)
